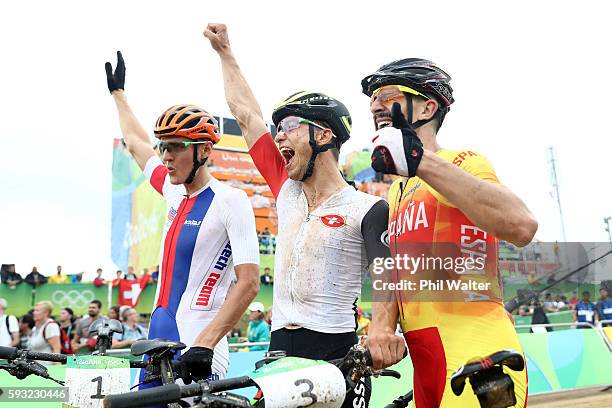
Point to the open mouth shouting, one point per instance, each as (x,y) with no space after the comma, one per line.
(287,154)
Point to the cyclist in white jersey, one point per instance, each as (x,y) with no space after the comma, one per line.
(328,233)
(210,241)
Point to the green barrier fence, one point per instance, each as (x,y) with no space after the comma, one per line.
(78,296)
(556,317)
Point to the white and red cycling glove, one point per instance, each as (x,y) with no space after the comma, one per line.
(397,149)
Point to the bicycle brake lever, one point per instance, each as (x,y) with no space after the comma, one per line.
(387,373)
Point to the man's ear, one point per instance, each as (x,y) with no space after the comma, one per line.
(206,150)
(324,137)
(427,109)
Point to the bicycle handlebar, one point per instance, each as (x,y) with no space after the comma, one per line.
(358,358)
(12,353)
(169,393)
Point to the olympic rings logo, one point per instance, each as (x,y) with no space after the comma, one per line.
(73,298)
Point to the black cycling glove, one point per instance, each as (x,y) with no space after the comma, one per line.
(115,80)
(196,363)
(397,149)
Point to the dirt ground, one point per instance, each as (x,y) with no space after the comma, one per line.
(592,397)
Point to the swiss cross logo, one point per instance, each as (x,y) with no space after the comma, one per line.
(333,220)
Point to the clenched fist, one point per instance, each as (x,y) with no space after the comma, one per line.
(386,348)
(217,35)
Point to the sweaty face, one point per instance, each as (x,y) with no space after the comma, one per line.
(295,148)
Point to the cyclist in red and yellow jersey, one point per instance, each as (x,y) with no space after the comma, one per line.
(444,197)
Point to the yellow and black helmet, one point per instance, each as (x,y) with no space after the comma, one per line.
(317,106)
(188,121)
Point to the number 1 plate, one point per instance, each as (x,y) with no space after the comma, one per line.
(90,378)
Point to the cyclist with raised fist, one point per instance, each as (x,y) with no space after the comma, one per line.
(443,197)
(209,238)
(328,233)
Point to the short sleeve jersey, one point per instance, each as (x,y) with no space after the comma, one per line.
(206,235)
(321,255)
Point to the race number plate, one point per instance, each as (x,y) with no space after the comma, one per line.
(298,382)
(90,378)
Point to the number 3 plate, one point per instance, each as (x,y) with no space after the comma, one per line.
(297,382)
(90,378)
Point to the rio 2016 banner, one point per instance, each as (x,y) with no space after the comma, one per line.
(137,214)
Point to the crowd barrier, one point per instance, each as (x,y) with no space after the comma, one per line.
(78,295)
(567,359)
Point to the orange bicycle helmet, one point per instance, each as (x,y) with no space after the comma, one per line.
(187,121)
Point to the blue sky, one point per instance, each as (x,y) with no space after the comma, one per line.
(526,76)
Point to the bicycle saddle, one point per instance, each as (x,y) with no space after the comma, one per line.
(155,346)
(111,326)
(510,358)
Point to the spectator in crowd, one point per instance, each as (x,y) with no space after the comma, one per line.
(155,274)
(82,338)
(532,279)
(585,311)
(574,300)
(67,322)
(113,313)
(269,317)
(76,278)
(539,315)
(118,278)
(537,251)
(549,303)
(258,330)
(45,336)
(35,278)
(551,279)
(9,327)
(99,280)
(26,324)
(13,278)
(121,310)
(235,332)
(363,323)
(266,278)
(559,304)
(604,307)
(146,276)
(132,331)
(4,272)
(59,277)
(131,275)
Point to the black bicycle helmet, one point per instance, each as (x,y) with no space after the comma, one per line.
(316,106)
(420,74)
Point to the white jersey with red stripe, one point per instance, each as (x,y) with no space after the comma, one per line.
(206,235)
(321,255)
